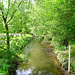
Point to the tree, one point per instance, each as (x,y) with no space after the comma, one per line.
(59,20)
(7,16)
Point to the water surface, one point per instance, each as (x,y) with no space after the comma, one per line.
(42,61)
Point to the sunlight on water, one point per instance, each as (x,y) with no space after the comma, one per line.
(43,61)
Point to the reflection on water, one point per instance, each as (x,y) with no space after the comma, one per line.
(32,72)
(43,61)
(26,72)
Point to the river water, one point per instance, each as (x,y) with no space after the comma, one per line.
(43,61)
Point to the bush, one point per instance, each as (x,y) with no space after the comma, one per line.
(16,44)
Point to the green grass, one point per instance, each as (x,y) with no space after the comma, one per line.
(64,56)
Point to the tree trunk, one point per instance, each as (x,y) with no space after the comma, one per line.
(7,35)
(8,38)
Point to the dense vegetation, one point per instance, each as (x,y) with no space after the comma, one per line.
(9,61)
(49,20)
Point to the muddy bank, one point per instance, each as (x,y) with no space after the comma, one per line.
(45,42)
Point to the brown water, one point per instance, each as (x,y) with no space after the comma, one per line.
(42,61)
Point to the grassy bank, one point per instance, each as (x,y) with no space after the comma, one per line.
(62,56)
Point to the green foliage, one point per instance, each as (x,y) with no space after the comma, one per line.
(23,30)
(56,19)
(16,45)
(48,19)
(19,42)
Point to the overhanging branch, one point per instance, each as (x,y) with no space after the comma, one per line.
(3,15)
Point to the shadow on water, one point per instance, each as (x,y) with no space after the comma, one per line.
(43,61)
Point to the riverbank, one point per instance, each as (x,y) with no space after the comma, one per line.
(62,56)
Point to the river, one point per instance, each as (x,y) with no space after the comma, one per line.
(43,61)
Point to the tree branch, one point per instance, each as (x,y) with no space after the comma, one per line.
(8,8)
(14,13)
(3,15)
